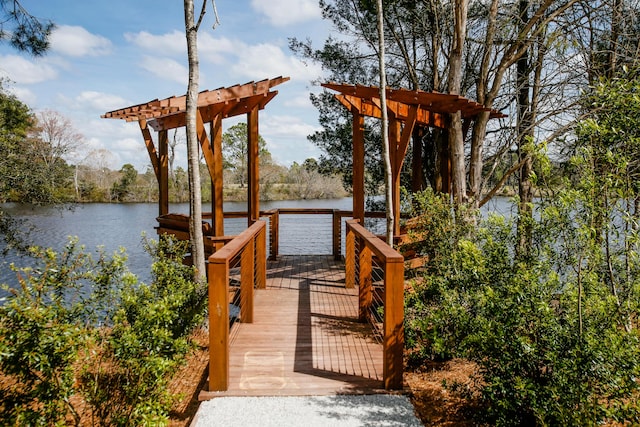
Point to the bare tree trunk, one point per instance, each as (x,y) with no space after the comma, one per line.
(523,87)
(193,158)
(477,141)
(456,137)
(529,69)
(388,181)
(492,72)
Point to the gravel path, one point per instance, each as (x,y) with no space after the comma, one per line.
(316,411)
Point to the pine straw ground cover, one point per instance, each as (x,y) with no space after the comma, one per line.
(442,393)
(436,389)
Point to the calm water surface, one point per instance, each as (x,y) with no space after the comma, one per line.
(112,226)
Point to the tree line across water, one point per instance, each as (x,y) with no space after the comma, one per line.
(42,165)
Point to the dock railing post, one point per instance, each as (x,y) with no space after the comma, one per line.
(274,225)
(261,259)
(337,234)
(350,259)
(218,324)
(393,344)
(364,279)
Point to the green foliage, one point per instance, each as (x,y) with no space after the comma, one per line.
(43,329)
(146,341)
(553,342)
(121,189)
(234,151)
(24,31)
(81,327)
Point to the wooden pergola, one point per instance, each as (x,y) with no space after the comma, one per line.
(408,110)
(213,106)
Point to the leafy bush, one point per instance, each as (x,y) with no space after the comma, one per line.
(146,342)
(87,328)
(436,233)
(44,326)
(552,342)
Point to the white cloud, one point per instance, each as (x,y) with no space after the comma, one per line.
(300,101)
(128,145)
(21,70)
(275,128)
(23,94)
(215,49)
(76,41)
(165,68)
(173,43)
(286,12)
(122,140)
(254,62)
(100,101)
(262,60)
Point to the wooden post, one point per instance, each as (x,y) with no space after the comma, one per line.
(163,181)
(365,297)
(218,325)
(151,148)
(445,161)
(337,234)
(358,165)
(396,166)
(275,234)
(253,151)
(261,258)
(416,167)
(393,343)
(247,270)
(350,259)
(217,198)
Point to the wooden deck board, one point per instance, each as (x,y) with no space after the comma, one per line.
(305,339)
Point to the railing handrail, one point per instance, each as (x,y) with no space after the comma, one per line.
(250,245)
(378,246)
(359,268)
(273,216)
(233,248)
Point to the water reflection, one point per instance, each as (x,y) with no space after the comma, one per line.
(112,226)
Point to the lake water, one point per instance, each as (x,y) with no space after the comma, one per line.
(112,226)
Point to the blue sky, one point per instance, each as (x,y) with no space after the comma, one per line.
(111,54)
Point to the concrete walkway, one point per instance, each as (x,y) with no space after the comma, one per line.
(310,411)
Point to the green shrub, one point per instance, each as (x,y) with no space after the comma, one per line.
(553,344)
(81,327)
(147,340)
(44,327)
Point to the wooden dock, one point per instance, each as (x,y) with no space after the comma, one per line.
(305,338)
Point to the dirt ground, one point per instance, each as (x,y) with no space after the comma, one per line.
(435,405)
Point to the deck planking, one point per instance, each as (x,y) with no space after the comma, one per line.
(305,338)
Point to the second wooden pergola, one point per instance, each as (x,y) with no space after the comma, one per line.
(407,110)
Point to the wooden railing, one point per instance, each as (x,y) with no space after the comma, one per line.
(364,253)
(250,248)
(170,224)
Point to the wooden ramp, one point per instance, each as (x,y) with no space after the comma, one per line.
(305,338)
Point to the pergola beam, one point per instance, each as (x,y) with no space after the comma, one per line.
(151,149)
